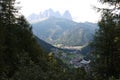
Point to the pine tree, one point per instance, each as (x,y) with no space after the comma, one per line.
(107,43)
(6,20)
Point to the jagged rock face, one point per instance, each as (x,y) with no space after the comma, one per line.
(50,13)
(57,14)
(67,15)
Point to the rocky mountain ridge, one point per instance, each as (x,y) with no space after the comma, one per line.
(49,13)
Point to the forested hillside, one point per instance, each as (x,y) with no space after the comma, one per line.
(45,46)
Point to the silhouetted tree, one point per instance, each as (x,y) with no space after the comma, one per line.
(107,43)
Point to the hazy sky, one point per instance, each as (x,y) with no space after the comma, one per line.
(81,10)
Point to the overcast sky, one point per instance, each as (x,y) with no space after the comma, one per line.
(81,10)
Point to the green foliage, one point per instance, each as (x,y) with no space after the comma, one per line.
(107,45)
(112,78)
(80,74)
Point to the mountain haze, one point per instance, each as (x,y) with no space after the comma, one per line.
(49,13)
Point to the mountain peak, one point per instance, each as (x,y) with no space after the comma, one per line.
(67,15)
(49,13)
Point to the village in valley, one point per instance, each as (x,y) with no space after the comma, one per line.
(72,57)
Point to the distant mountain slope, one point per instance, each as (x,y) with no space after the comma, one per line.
(80,35)
(63,31)
(45,46)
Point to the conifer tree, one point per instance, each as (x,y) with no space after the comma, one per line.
(107,43)
(6,20)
